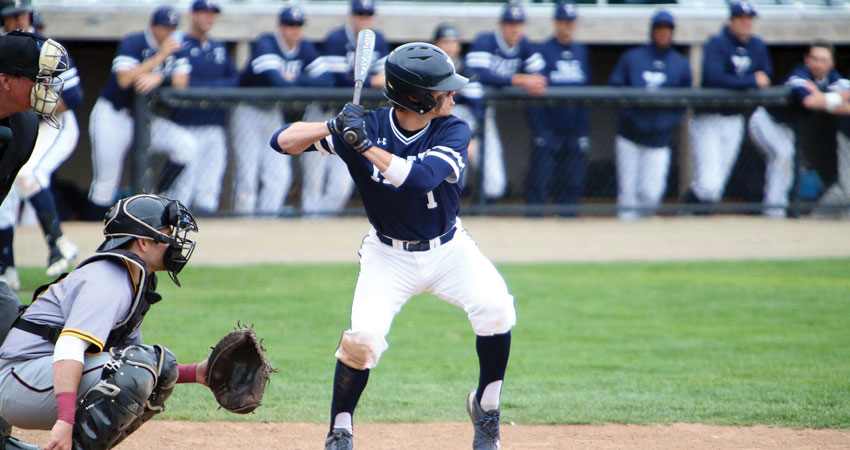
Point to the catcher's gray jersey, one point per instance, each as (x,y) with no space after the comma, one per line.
(86,304)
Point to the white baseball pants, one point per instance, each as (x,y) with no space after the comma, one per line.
(261,176)
(776,141)
(641,177)
(716,142)
(111,133)
(456,272)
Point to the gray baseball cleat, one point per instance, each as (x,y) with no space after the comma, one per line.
(486,424)
(340,439)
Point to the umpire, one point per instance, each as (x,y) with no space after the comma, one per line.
(29,64)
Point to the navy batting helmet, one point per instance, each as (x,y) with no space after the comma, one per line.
(143,217)
(414,70)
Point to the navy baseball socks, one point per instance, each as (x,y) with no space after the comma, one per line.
(349,384)
(482,404)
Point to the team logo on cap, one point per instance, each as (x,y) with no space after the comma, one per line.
(172,16)
(514,12)
(296,14)
(367,3)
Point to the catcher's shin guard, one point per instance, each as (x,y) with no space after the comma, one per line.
(134,387)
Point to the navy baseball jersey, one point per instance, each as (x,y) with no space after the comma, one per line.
(426,204)
(211,67)
(339,48)
(730,63)
(566,65)
(648,67)
(72,92)
(494,62)
(797,81)
(132,50)
(274,64)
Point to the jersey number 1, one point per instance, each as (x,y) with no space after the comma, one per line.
(431,202)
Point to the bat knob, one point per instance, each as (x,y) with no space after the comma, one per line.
(350,137)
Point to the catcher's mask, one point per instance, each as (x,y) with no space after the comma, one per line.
(142,217)
(42,60)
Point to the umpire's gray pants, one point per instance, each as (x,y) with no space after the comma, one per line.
(27,399)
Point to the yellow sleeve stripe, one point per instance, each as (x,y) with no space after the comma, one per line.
(84,336)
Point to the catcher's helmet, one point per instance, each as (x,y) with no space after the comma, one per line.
(415,69)
(142,217)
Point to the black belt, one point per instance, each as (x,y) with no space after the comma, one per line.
(417,246)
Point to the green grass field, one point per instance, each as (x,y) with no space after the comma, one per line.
(719,343)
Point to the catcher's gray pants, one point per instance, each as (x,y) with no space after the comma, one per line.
(27,399)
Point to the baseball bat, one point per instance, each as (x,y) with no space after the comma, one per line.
(362,63)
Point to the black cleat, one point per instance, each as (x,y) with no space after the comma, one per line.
(486,424)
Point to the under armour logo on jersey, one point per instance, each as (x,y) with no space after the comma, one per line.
(381,141)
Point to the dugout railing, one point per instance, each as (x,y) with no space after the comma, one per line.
(814,159)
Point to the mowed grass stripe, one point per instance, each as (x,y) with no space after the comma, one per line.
(736,343)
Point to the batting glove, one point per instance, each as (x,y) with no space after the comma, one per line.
(350,113)
(356,137)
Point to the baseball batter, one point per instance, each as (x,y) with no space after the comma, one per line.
(816,85)
(54,372)
(55,143)
(559,156)
(261,179)
(504,57)
(643,138)
(327,187)
(143,61)
(406,162)
(733,59)
(199,186)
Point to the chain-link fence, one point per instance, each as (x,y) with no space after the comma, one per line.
(577,151)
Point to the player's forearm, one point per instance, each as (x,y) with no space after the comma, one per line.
(66,375)
(66,381)
(299,136)
(126,78)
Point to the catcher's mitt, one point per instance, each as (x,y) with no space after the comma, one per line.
(238,370)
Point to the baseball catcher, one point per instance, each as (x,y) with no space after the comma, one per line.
(74,362)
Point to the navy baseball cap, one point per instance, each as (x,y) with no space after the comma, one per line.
(445,31)
(15,7)
(291,15)
(663,18)
(165,16)
(513,13)
(743,8)
(205,5)
(363,7)
(566,11)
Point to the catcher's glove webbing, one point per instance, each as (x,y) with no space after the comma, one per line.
(238,370)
